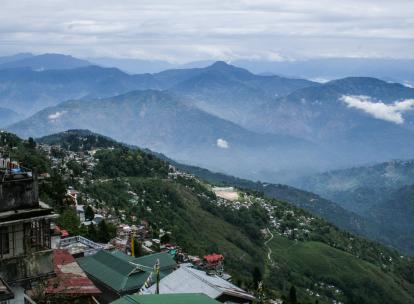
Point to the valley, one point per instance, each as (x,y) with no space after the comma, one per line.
(288,245)
(280,217)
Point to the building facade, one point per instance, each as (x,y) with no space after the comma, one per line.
(25,234)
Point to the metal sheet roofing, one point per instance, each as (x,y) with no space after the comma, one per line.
(185,298)
(191,280)
(70,278)
(119,271)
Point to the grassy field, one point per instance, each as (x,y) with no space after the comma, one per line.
(353,280)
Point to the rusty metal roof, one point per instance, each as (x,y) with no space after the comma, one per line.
(70,278)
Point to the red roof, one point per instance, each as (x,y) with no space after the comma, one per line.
(62,232)
(214,258)
(70,278)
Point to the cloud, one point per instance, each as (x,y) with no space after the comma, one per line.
(184,30)
(223,144)
(55,116)
(389,112)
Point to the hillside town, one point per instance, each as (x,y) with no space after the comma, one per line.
(42,262)
(100,248)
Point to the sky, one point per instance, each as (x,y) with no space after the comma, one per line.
(190,30)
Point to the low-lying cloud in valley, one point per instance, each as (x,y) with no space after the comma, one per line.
(223,144)
(378,109)
(55,116)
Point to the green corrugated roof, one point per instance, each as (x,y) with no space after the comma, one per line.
(178,298)
(166,260)
(114,270)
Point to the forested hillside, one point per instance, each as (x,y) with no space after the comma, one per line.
(284,244)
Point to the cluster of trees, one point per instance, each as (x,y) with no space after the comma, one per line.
(103,232)
(123,162)
(251,220)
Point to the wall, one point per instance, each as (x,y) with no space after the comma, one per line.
(17,248)
(28,266)
(19,193)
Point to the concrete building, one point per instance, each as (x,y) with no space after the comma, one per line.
(25,234)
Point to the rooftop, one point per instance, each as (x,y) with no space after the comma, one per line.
(190,280)
(70,278)
(184,298)
(121,272)
(41,210)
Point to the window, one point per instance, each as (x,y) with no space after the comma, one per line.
(4,240)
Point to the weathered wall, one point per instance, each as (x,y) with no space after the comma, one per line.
(30,266)
(18,194)
(16,246)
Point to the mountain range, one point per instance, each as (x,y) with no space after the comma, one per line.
(8,117)
(42,62)
(167,123)
(318,69)
(381,193)
(222,117)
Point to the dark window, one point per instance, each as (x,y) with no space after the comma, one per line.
(4,240)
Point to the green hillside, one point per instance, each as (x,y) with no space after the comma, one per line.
(333,273)
(305,251)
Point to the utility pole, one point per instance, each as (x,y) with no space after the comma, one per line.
(132,244)
(157,291)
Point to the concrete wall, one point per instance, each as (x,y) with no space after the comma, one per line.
(33,265)
(19,193)
(17,239)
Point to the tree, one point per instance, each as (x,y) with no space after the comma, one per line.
(257,277)
(103,233)
(31,143)
(92,233)
(165,238)
(56,191)
(292,295)
(89,214)
(69,220)
(138,248)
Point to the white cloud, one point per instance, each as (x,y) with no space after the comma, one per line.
(408,84)
(223,144)
(55,116)
(389,112)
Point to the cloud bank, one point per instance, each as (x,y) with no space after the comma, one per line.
(183,30)
(388,112)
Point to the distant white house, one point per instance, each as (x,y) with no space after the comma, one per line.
(80,211)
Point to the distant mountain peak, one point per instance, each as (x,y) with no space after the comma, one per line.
(49,61)
(220,64)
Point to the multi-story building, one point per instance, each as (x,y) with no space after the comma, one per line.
(25,235)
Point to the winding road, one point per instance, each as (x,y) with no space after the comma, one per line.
(269,253)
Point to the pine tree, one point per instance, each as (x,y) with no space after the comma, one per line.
(292,295)
(103,233)
(257,277)
(89,214)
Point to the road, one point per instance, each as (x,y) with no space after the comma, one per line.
(269,253)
